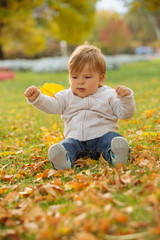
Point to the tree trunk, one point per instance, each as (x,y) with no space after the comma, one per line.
(1,52)
(154,24)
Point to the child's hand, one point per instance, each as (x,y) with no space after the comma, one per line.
(31,93)
(122,91)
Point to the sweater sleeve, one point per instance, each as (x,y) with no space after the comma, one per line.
(123,108)
(49,104)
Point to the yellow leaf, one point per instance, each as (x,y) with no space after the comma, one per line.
(11,171)
(17,175)
(51,88)
(46,92)
(4,154)
(64,230)
(54,126)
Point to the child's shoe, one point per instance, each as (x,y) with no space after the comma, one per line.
(58,157)
(119,150)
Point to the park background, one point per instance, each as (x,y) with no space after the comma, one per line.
(93,200)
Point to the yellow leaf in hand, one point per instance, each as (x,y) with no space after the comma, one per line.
(51,88)
(46,92)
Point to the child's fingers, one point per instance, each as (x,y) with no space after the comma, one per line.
(30,91)
(32,98)
(119,90)
(122,91)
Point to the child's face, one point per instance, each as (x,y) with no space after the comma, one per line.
(86,82)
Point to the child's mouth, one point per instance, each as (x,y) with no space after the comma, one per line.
(81,89)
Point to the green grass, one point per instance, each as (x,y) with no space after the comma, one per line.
(90,201)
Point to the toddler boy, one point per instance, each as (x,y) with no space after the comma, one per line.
(89,110)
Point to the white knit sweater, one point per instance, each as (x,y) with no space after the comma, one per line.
(89,117)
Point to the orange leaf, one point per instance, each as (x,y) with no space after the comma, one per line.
(21,172)
(120,217)
(7,178)
(3,190)
(156,230)
(104,224)
(39,176)
(45,174)
(78,185)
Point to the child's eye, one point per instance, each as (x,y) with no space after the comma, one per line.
(74,77)
(88,77)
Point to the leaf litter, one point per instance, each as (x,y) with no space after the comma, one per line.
(93,200)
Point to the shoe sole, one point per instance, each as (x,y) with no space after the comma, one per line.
(120,149)
(57,156)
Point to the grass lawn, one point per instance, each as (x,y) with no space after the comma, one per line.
(93,200)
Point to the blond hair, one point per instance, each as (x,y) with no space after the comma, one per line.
(87,54)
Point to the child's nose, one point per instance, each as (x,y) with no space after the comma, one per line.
(81,80)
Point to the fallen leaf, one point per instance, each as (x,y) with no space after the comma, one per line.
(28,191)
(120,216)
(85,236)
(3,190)
(104,224)
(7,178)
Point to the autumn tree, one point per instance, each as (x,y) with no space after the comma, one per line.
(150,5)
(111,32)
(141,28)
(28,23)
(150,9)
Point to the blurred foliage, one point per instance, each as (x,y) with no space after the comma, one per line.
(141,28)
(27,24)
(111,32)
(147,13)
(150,5)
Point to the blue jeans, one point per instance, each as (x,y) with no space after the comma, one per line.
(92,148)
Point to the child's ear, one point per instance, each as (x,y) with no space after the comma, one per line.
(101,79)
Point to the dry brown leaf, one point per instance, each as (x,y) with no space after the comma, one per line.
(85,236)
(7,178)
(11,234)
(27,192)
(127,177)
(12,196)
(35,214)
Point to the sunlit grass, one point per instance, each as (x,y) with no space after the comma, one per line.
(93,198)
